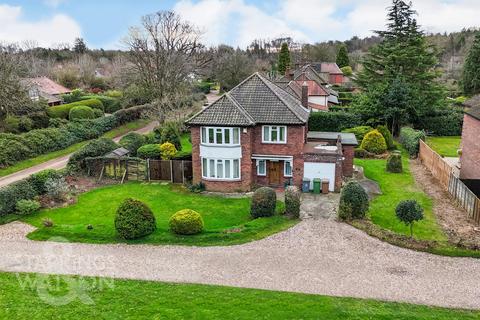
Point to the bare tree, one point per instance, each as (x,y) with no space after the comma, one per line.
(165,53)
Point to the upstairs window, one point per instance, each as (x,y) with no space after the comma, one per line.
(220,136)
(274,134)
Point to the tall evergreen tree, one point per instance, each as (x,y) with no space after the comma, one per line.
(283,58)
(471,68)
(404,53)
(342,57)
(79,46)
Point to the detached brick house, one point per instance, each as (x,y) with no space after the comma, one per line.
(257,135)
(331,71)
(470,159)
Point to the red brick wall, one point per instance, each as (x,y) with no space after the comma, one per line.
(470,159)
(244,184)
(293,147)
(348,154)
(336,78)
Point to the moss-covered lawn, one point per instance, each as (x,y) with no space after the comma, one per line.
(227,220)
(127,299)
(445,146)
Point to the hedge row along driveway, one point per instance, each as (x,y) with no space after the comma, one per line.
(227,220)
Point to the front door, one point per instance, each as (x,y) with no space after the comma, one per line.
(274,173)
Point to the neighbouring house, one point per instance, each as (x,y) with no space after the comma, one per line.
(331,71)
(470,158)
(45,88)
(320,95)
(257,135)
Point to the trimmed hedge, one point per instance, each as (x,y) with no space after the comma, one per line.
(333,121)
(292,201)
(81,112)
(110,104)
(11,194)
(132,141)
(410,140)
(394,163)
(359,132)
(63,110)
(149,151)
(186,222)
(94,148)
(444,125)
(264,201)
(19,147)
(134,220)
(388,136)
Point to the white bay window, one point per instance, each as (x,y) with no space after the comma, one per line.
(221,169)
(220,136)
(287,169)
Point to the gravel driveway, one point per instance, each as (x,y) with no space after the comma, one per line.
(319,255)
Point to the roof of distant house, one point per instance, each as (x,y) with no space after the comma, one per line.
(327,67)
(256,100)
(474,106)
(46,85)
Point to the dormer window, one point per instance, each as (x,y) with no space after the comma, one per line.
(274,134)
(220,136)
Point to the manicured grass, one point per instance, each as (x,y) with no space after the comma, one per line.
(186,144)
(227,220)
(445,146)
(60,153)
(396,187)
(127,299)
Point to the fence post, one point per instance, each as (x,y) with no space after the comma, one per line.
(171,170)
(183,172)
(148,169)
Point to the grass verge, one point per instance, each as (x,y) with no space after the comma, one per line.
(383,224)
(227,220)
(60,153)
(129,299)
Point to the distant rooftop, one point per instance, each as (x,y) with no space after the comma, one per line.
(46,85)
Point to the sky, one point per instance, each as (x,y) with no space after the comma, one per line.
(104,23)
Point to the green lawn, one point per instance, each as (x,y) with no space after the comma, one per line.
(186,144)
(227,220)
(60,153)
(445,146)
(127,299)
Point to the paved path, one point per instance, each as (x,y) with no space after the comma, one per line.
(319,255)
(57,163)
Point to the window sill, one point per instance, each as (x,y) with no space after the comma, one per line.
(221,180)
(220,145)
(265,142)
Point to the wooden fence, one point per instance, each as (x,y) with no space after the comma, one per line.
(444,173)
(176,171)
(439,168)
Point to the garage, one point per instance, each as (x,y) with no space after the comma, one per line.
(313,170)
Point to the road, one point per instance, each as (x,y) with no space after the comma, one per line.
(57,163)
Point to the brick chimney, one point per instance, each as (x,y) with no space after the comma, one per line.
(305,95)
(288,73)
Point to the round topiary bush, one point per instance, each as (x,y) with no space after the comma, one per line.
(134,219)
(374,142)
(81,112)
(292,201)
(394,163)
(353,202)
(149,151)
(263,204)
(167,151)
(186,222)
(98,113)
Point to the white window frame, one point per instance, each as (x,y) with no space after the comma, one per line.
(270,129)
(285,169)
(262,174)
(220,163)
(205,136)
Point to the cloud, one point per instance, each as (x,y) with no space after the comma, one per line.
(236,22)
(53,3)
(58,28)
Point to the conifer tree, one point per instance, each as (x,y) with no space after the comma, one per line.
(342,57)
(283,59)
(471,69)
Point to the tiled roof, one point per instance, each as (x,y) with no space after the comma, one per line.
(46,85)
(310,73)
(474,106)
(255,100)
(327,67)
